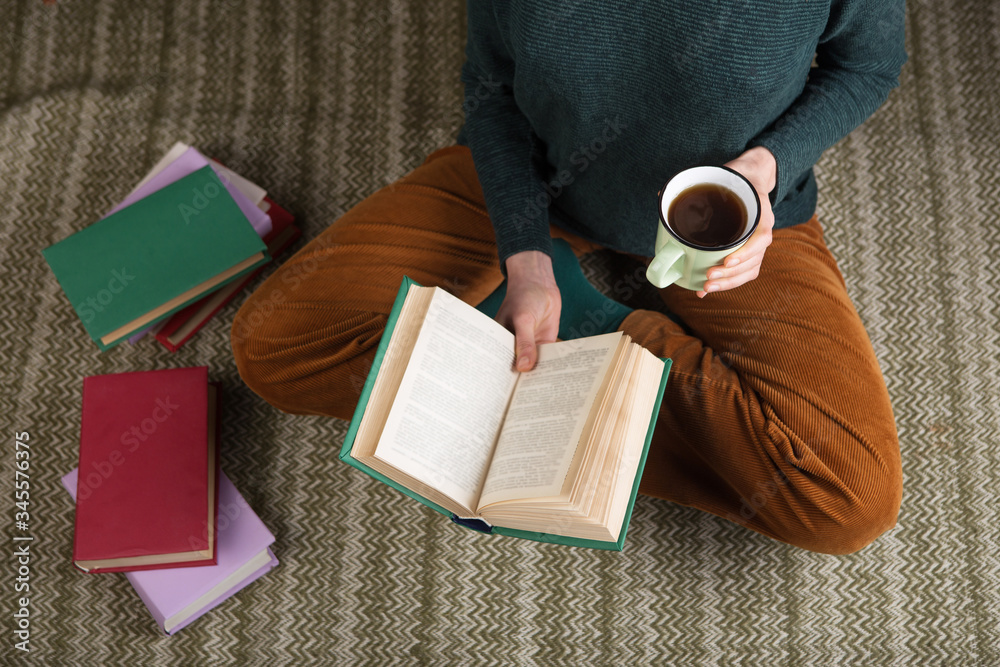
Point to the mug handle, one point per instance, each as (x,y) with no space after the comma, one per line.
(667,262)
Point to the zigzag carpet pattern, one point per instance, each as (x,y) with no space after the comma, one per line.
(324,102)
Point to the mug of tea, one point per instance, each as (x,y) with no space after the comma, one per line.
(706,213)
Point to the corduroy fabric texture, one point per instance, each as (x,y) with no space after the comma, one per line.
(776,415)
(326,102)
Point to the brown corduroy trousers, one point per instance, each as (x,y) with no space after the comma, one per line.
(776,415)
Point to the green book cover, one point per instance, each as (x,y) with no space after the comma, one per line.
(149,260)
(359,411)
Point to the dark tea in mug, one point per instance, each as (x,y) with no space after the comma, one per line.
(707,215)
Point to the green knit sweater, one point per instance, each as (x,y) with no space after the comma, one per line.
(578,111)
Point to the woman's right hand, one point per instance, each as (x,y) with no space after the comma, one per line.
(532,305)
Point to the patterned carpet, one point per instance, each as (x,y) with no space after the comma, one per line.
(322,103)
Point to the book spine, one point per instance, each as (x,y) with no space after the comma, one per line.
(218,468)
(79,462)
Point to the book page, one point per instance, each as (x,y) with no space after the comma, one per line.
(545,420)
(445,420)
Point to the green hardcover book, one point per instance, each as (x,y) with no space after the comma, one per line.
(553,455)
(149,260)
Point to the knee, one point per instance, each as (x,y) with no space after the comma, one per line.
(843,517)
(257,359)
(850,531)
(299,366)
(835,499)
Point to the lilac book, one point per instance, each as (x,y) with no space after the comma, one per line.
(177,596)
(187,163)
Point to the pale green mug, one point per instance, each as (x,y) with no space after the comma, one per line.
(684,263)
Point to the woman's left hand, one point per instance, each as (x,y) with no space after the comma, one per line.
(743,265)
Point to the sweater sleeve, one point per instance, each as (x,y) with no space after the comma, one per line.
(504,147)
(858,60)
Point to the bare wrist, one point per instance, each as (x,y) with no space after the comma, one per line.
(766,166)
(530,266)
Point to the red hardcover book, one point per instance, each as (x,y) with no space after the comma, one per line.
(149,469)
(185,323)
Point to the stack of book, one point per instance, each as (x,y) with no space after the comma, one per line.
(178,248)
(151,500)
(176,330)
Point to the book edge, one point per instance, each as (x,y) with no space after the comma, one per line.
(236,588)
(359,411)
(600,544)
(266,559)
(257,574)
(261,262)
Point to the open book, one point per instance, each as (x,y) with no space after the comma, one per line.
(554,454)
